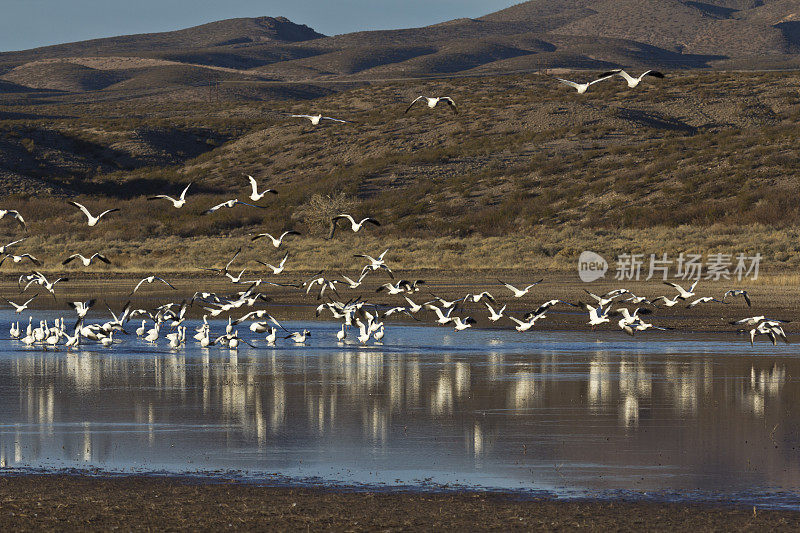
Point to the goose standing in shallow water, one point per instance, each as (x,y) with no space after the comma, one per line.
(299,338)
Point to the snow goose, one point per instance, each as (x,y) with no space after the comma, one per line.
(519,293)
(391,289)
(229,204)
(583,87)
(5,247)
(275,269)
(342,333)
(523,325)
(20,308)
(544,307)
(460,324)
(177,204)
(755,320)
(375,263)
(704,300)
(667,301)
(597,315)
(13,213)
(442,318)
(81,308)
(494,316)
(255,195)
(627,316)
(18,258)
(433,102)
(275,242)
(355,226)
(272,337)
(738,292)
(608,297)
(86,260)
(91,219)
(413,307)
(298,337)
(353,284)
(683,294)
(379,334)
(152,279)
(316,119)
(632,82)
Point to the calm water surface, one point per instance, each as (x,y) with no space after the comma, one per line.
(684,415)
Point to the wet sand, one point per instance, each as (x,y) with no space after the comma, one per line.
(66,502)
(774,301)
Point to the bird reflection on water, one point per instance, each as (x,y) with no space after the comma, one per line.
(486,409)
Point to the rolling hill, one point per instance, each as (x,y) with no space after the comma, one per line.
(531,36)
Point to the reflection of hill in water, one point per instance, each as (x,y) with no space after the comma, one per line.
(700,417)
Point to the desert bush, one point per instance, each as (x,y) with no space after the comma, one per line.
(317,212)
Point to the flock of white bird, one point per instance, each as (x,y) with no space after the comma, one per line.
(355,313)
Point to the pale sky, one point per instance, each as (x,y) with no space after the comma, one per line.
(31,23)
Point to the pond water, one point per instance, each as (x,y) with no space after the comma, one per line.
(666,415)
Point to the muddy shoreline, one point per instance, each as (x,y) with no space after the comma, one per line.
(62,501)
(771,300)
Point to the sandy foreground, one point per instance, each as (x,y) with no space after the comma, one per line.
(66,502)
(774,299)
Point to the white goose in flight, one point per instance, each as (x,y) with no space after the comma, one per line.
(682,293)
(151,279)
(18,308)
(93,220)
(229,204)
(632,82)
(255,195)
(5,247)
(583,87)
(177,204)
(519,293)
(704,300)
(275,242)
(355,226)
(18,258)
(433,102)
(738,292)
(597,315)
(276,269)
(494,316)
(316,119)
(13,213)
(86,260)
(608,297)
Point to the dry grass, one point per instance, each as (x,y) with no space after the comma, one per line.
(549,250)
(697,162)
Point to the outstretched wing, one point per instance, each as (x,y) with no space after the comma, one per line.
(417,99)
